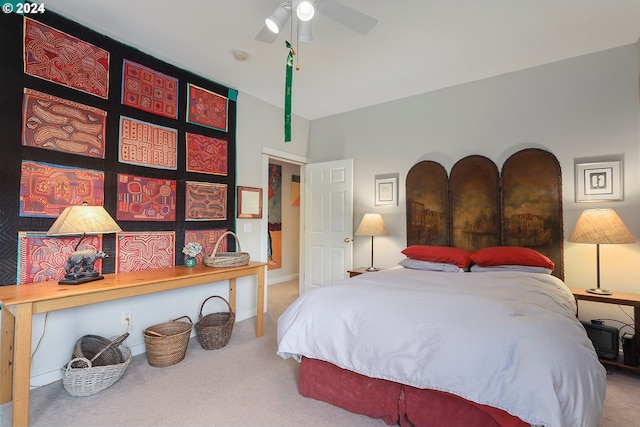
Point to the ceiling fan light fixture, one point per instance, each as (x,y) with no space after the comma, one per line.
(305,10)
(278,18)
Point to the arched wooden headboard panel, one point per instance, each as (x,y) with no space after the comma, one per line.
(477,207)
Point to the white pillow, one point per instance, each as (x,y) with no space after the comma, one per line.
(416,264)
(475,268)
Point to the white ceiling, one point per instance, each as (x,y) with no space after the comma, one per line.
(417,46)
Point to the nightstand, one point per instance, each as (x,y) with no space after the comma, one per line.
(360,270)
(632,300)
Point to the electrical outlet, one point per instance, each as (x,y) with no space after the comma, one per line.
(126,317)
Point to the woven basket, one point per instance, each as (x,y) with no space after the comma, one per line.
(100,350)
(227,259)
(214,330)
(82,378)
(166,343)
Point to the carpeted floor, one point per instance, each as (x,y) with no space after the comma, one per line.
(242,384)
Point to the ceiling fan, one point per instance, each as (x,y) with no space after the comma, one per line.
(305,9)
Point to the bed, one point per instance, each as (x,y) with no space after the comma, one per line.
(474,328)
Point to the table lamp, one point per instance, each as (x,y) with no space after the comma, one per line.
(82,220)
(600,226)
(371,225)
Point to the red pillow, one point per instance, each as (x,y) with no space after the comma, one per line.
(445,254)
(510,255)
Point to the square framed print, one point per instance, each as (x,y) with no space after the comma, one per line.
(249,202)
(386,190)
(599,181)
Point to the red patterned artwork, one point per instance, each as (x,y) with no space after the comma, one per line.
(207,239)
(149,90)
(56,124)
(206,108)
(146,144)
(205,201)
(206,154)
(145,250)
(42,258)
(60,58)
(45,189)
(146,199)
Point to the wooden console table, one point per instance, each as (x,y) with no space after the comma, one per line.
(20,303)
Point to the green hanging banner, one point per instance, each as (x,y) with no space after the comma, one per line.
(287,94)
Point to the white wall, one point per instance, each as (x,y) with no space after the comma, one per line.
(581,108)
(259,125)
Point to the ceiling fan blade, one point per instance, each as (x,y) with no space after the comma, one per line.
(266,36)
(350,18)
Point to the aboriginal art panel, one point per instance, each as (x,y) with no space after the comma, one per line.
(149,90)
(146,199)
(207,239)
(42,258)
(206,154)
(46,189)
(145,250)
(206,108)
(58,57)
(85,118)
(147,144)
(205,201)
(57,124)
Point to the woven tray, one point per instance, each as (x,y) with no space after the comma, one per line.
(214,330)
(166,343)
(81,378)
(227,259)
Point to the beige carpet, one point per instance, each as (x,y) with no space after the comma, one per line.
(242,384)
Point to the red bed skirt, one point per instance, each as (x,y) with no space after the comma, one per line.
(396,403)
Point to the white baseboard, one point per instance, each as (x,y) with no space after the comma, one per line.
(282,279)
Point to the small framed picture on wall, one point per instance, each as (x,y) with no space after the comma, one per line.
(599,181)
(387,190)
(249,202)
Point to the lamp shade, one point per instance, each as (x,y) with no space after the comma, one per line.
(83,219)
(305,10)
(278,18)
(371,225)
(601,226)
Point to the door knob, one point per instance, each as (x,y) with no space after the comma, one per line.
(348,239)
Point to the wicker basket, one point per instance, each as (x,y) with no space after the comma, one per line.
(227,259)
(99,350)
(82,378)
(214,330)
(166,343)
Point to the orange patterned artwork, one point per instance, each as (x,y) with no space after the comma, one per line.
(149,90)
(60,58)
(145,250)
(42,258)
(206,108)
(206,154)
(146,144)
(45,189)
(207,239)
(205,201)
(56,124)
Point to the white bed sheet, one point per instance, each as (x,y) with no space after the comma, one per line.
(510,340)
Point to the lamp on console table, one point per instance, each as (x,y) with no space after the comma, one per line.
(600,226)
(371,225)
(82,220)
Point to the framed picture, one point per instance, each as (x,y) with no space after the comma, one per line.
(249,202)
(601,181)
(387,190)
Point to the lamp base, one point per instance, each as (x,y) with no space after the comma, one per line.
(373,269)
(599,291)
(80,281)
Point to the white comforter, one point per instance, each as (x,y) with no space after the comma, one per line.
(510,340)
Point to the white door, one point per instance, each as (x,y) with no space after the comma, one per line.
(328,219)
